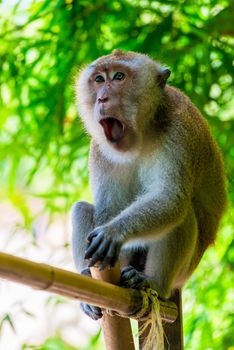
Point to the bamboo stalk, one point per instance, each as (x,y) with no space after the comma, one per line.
(174,332)
(76,286)
(116,330)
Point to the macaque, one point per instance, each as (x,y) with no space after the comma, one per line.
(156,174)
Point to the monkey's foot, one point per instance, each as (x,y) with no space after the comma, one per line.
(94,312)
(131,278)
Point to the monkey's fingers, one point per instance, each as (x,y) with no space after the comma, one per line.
(110,257)
(93,312)
(93,247)
(131,278)
(91,236)
(129,273)
(126,269)
(98,255)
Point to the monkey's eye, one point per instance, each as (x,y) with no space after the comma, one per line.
(119,76)
(99,79)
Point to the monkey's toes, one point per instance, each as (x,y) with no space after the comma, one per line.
(93,312)
(131,278)
(86,272)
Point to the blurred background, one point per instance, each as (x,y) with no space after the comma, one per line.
(44,150)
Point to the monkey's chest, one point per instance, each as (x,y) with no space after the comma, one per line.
(113,195)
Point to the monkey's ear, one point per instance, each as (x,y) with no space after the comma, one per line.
(162,77)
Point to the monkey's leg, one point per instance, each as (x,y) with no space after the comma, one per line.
(168,260)
(82,225)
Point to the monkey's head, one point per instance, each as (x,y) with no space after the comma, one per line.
(118,96)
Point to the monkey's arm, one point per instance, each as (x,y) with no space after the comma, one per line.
(153,214)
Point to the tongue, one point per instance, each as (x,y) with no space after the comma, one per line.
(113,129)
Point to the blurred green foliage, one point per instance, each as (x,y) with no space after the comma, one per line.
(43,149)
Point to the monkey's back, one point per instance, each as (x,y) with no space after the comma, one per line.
(208,179)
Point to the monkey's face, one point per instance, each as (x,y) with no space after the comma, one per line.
(117,99)
(114,110)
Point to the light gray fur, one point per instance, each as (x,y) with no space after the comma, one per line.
(141,200)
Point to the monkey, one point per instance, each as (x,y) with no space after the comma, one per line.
(156,174)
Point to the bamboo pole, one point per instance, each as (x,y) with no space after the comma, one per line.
(174,332)
(76,286)
(116,330)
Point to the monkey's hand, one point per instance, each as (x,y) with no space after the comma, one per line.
(103,247)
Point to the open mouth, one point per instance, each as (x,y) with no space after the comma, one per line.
(113,129)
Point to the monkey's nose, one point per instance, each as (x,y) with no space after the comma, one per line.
(103,99)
